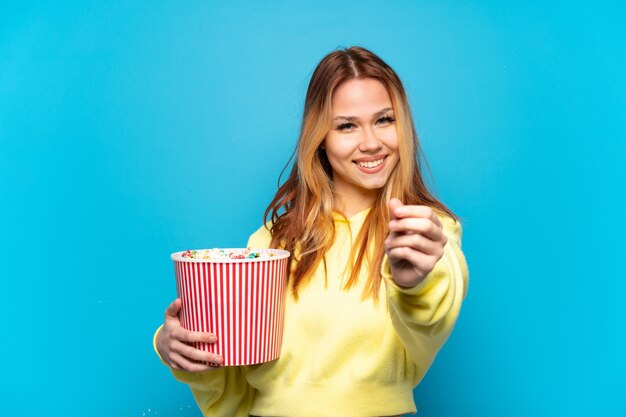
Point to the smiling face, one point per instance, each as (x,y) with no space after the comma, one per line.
(362,143)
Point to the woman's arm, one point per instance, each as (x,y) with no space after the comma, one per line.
(425,313)
(222,391)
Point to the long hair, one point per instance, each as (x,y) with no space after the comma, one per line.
(301,210)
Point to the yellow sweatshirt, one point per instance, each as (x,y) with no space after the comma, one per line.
(342,356)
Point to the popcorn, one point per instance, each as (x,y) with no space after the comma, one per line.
(222,254)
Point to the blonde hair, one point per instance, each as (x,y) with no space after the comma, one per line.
(301,210)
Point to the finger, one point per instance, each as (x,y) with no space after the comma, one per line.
(180,333)
(419,260)
(173,309)
(187,365)
(418,211)
(415,241)
(394,204)
(420,225)
(195,354)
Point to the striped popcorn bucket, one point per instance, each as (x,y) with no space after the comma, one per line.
(242,301)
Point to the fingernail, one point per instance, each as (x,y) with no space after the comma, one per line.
(399,211)
(393,224)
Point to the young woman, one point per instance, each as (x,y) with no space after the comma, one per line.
(377,274)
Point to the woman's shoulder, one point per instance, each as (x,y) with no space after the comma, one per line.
(261,238)
(451,227)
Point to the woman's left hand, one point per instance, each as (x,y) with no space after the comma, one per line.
(415,242)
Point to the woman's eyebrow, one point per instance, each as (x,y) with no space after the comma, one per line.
(351,118)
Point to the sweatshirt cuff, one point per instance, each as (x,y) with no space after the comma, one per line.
(154,345)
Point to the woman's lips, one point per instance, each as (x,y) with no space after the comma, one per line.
(371,165)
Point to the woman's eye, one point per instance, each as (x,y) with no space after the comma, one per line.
(345,126)
(385,120)
(382,121)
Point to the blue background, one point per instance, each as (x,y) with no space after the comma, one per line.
(131,130)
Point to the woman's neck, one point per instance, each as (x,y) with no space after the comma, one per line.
(352,203)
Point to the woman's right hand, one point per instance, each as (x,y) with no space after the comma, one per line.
(172,344)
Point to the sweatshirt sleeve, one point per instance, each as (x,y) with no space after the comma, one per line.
(424,315)
(222,392)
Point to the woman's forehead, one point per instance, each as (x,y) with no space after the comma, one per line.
(359,97)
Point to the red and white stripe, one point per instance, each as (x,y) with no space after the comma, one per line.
(243,303)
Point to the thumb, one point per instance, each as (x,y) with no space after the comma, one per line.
(173,309)
(394,203)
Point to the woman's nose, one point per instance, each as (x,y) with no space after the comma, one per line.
(369,141)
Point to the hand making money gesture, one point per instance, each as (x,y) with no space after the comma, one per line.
(415,242)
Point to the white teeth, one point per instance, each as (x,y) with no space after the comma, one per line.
(372,164)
